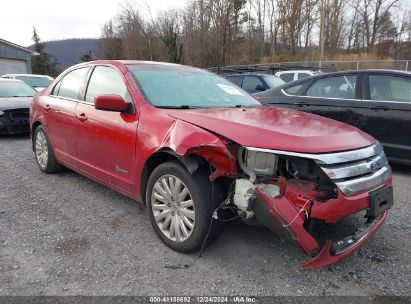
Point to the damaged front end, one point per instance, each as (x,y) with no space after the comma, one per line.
(290,192)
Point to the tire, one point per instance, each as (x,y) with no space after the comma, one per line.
(43,152)
(199,193)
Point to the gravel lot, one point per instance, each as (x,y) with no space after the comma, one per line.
(65,234)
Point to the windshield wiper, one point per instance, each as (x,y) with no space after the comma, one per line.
(178,107)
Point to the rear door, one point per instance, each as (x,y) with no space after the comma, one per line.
(105,140)
(337,97)
(59,110)
(388,115)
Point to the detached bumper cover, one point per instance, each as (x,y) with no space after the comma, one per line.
(285,217)
(334,252)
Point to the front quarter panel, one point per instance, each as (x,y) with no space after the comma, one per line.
(159,132)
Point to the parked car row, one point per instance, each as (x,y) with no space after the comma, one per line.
(376,101)
(198,151)
(253,83)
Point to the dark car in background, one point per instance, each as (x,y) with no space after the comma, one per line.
(376,101)
(15,99)
(253,83)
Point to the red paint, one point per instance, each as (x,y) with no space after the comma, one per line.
(288,210)
(335,209)
(278,129)
(325,257)
(284,212)
(111,103)
(113,147)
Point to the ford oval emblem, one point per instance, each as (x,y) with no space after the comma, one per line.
(374,166)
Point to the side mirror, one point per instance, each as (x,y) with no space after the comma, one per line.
(259,87)
(114,103)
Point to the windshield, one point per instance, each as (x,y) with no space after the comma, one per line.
(35,82)
(273,81)
(186,87)
(16,89)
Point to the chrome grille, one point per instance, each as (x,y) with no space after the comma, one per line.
(352,171)
(361,172)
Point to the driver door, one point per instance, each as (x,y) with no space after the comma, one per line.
(105,140)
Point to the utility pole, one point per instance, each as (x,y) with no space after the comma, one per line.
(321,32)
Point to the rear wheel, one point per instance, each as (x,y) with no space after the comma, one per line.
(43,151)
(181,207)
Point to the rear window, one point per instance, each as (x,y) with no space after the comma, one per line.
(235,79)
(287,77)
(35,82)
(303,75)
(273,81)
(16,89)
(293,90)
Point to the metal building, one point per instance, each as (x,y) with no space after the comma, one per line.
(14,59)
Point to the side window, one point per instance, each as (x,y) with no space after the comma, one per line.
(235,79)
(251,83)
(287,77)
(334,87)
(106,80)
(72,83)
(391,88)
(293,90)
(303,75)
(56,89)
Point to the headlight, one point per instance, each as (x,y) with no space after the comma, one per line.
(261,163)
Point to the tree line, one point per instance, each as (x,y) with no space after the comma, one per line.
(222,32)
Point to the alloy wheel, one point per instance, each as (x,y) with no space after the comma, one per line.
(173,208)
(42,150)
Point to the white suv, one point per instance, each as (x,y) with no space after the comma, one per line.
(37,82)
(292,75)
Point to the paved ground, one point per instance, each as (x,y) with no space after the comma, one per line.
(65,234)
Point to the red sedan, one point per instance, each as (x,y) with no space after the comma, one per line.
(197,150)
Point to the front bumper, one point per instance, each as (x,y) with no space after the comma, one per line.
(284,216)
(14,122)
(335,252)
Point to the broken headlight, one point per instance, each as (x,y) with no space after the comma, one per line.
(261,163)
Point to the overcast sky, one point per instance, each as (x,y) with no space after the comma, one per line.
(61,19)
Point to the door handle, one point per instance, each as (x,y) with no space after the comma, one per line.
(384,108)
(46,107)
(301,103)
(82,117)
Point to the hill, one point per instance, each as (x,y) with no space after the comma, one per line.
(69,51)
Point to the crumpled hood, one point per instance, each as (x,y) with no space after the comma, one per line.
(277,129)
(10,103)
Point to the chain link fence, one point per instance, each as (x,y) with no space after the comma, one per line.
(326,66)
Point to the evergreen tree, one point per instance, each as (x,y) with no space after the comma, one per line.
(44,64)
(87,56)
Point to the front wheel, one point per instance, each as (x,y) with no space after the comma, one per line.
(181,207)
(43,151)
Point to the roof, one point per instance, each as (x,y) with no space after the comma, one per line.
(19,47)
(28,75)
(9,80)
(296,71)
